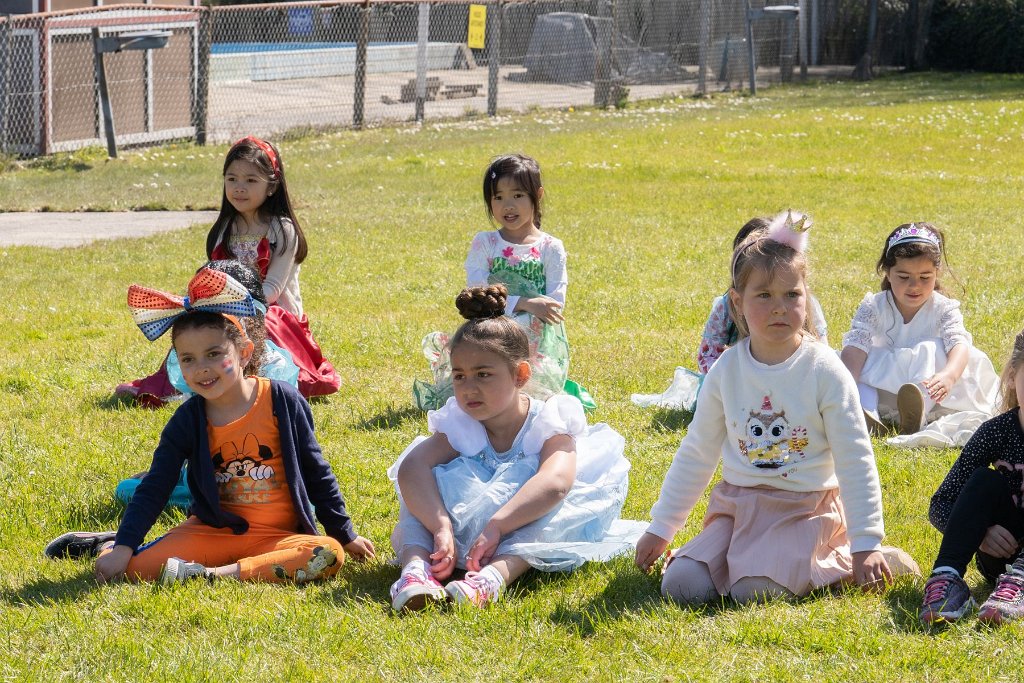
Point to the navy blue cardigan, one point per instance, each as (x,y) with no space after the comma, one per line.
(310,479)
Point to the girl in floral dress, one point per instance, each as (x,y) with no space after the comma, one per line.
(719,333)
(531,264)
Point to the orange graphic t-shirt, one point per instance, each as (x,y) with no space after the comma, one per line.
(248,467)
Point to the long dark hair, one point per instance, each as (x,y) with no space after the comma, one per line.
(266,157)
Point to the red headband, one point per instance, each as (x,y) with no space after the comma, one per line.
(268,150)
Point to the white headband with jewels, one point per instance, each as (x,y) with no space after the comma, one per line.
(913,234)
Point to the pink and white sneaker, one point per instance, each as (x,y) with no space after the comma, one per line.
(476,589)
(413,591)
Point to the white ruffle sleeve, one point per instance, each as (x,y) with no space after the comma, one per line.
(561,414)
(863,325)
(465,434)
(951,324)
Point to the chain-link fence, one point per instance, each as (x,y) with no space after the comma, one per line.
(267,69)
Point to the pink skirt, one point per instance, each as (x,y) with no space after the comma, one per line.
(796,539)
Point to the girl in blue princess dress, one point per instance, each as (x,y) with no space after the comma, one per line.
(505,482)
(531,264)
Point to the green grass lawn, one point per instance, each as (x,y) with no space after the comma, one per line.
(647,200)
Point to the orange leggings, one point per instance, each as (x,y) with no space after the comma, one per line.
(263,553)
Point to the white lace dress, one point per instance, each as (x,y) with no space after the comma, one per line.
(584,526)
(911,352)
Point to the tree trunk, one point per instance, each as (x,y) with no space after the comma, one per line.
(863,71)
(919,22)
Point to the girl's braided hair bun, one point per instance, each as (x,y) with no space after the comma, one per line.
(482,302)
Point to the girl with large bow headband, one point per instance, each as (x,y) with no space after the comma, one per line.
(255,470)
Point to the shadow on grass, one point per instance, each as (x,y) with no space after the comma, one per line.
(391,418)
(625,593)
(904,602)
(902,88)
(46,591)
(364,582)
(952,86)
(120,402)
(671,420)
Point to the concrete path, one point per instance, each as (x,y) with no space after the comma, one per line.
(58,230)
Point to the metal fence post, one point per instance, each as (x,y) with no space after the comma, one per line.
(802,38)
(815,20)
(5,55)
(703,46)
(101,84)
(751,59)
(603,58)
(493,57)
(362,45)
(202,85)
(422,34)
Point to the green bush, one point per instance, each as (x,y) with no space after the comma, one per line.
(982,35)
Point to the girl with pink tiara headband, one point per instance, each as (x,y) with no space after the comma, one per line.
(258,227)
(908,349)
(780,412)
(719,334)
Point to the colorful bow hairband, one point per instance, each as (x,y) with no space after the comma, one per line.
(268,150)
(913,233)
(209,290)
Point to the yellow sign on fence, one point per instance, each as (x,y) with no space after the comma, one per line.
(477,26)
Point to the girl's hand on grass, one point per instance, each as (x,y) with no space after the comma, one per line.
(999,542)
(361,549)
(543,308)
(483,548)
(110,566)
(648,549)
(871,571)
(443,557)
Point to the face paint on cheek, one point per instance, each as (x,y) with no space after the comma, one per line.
(228,366)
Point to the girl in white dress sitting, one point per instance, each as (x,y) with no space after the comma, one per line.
(505,482)
(907,346)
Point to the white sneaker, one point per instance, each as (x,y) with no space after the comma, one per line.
(476,589)
(412,592)
(910,403)
(178,570)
